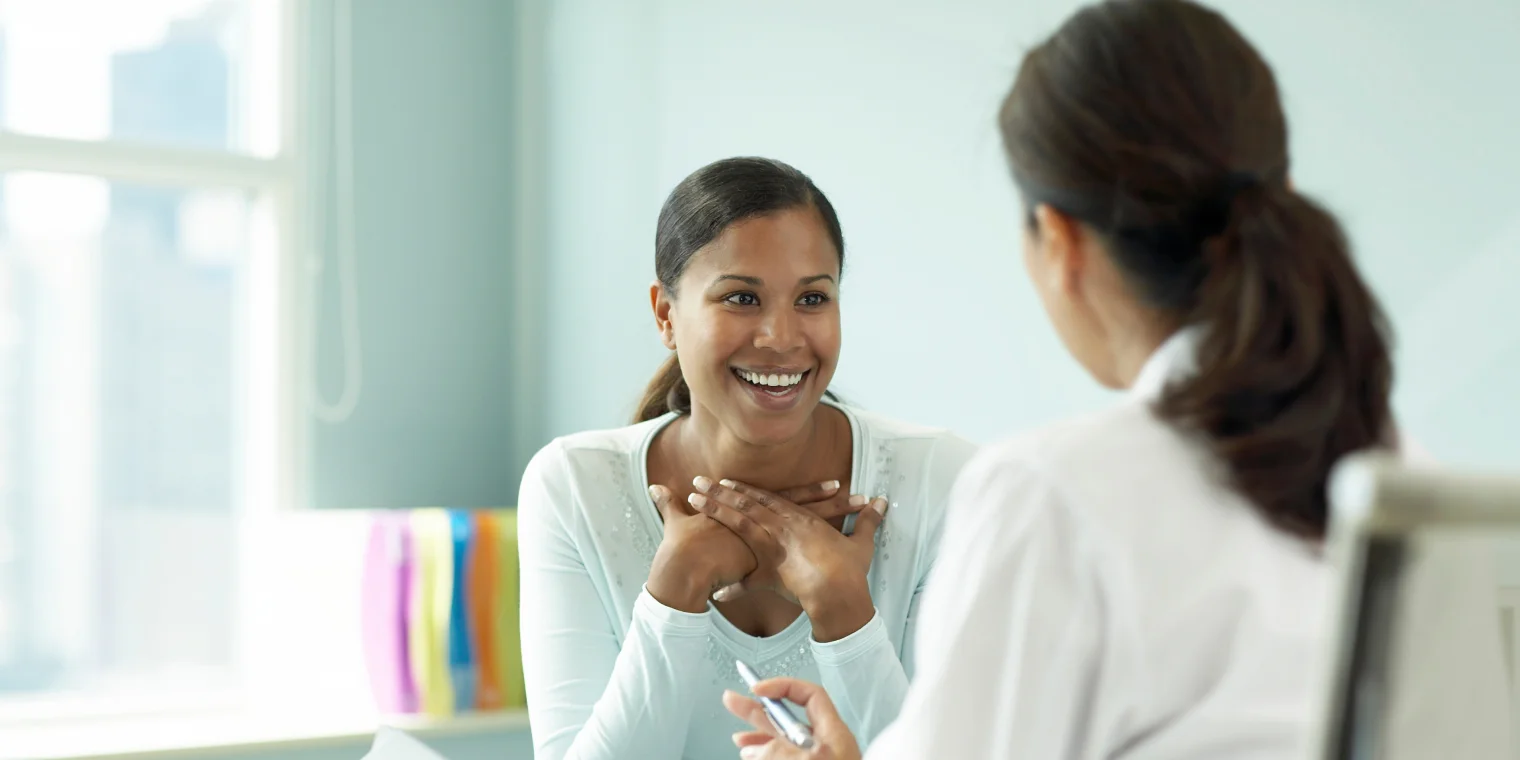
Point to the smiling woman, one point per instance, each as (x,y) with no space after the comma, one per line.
(757,332)
(733,210)
(720,525)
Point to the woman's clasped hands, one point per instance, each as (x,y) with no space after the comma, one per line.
(732,538)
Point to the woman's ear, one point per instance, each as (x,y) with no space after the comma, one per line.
(1060,242)
(660,301)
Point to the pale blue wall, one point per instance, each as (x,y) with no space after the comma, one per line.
(434,135)
(1404,121)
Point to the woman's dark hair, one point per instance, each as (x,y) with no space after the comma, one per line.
(1156,124)
(697,211)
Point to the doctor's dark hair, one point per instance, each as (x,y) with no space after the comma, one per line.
(697,211)
(1157,125)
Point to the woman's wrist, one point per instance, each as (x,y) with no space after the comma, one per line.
(843,609)
(676,588)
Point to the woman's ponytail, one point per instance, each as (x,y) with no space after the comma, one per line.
(1294,364)
(666,393)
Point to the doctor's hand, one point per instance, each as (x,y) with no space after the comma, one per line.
(823,569)
(832,738)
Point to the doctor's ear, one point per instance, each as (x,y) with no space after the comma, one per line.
(660,301)
(1060,242)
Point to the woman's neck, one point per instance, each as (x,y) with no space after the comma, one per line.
(707,447)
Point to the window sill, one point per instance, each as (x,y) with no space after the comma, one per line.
(232,734)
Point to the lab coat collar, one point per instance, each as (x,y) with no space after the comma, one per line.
(1174,359)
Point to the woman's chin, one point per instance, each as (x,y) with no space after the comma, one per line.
(768,427)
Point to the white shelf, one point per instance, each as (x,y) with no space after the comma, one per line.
(458,725)
(166,737)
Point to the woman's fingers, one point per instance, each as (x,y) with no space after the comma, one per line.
(869,522)
(742,492)
(811,494)
(669,507)
(747,520)
(741,512)
(838,506)
(730,592)
(824,499)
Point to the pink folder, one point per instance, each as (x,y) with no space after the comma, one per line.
(387,587)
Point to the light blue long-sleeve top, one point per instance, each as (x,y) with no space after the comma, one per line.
(612,673)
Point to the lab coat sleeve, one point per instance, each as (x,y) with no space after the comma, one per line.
(589,697)
(1010,648)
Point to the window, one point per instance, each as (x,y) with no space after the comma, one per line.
(144,217)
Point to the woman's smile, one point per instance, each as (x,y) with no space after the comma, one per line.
(775,389)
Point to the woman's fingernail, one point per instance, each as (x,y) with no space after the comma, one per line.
(858,500)
(697,500)
(880,506)
(832,485)
(703,484)
(750,753)
(726,593)
(654,493)
(726,483)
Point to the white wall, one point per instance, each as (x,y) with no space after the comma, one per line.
(1405,122)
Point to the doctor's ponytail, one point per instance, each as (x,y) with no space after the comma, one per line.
(1293,367)
(1159,126)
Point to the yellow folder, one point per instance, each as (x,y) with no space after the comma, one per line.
(509,645)
(428,616)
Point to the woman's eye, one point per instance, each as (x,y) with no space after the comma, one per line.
(743,299)
(814,299)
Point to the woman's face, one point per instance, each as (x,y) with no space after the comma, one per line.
(755,324)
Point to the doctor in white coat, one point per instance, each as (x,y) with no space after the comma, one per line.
(1149,582)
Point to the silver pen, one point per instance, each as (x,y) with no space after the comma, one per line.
(781,716)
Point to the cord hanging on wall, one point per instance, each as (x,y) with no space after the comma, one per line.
(344,221)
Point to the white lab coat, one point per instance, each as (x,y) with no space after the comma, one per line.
(1102,594)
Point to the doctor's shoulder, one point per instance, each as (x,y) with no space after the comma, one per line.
(1067,460)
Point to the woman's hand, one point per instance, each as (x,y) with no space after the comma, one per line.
(832,739)
(823,500)
(699,555)
(822,568)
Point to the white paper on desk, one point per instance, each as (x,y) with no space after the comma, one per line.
(391,744)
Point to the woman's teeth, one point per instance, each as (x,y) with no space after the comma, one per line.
(774,381)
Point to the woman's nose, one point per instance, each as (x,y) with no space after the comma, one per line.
(779,332)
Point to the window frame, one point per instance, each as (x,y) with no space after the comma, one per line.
(277,300)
